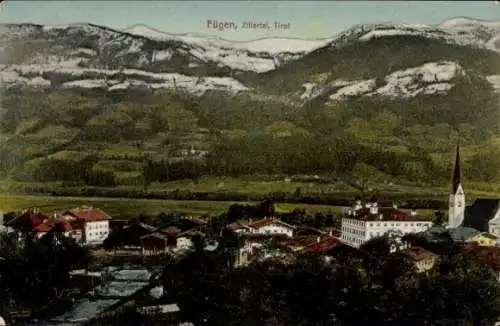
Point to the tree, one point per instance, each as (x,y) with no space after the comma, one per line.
(438,218)
(147,173)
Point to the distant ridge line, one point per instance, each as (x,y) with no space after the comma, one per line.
(210,36)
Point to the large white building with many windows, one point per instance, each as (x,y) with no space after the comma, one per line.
(365,222)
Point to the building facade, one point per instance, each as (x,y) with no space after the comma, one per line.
(271,226)
(95,224)
(362,224)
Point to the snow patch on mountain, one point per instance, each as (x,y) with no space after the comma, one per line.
(355,88)
(495,82)
(430,78)
(67,76)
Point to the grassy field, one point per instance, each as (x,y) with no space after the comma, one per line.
(129,207)
(132,207)
(252,186)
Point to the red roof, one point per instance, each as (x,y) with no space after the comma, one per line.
(323,246)
(89,214)
(236,226)
(28,218)
(62,225)
(44,227)
(302,240)
(191,233)
(386,214)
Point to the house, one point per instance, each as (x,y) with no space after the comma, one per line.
(323,247)
(127,235)
(154,243)
(484,239)
(95,223)
(422,259)
(181,239)
(297,243)
(184,239)
(28,220)
(34,220)
(271,226)
(239,227)
(361,224)
(71,229)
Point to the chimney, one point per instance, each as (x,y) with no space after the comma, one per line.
(318,239)
(381,217)
(250,220)
(331,232)
(413,212)
(374,209)
(395,206)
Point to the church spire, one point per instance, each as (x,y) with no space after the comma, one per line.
(456,172)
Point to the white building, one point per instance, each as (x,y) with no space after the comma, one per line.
(362,224)
(95,224)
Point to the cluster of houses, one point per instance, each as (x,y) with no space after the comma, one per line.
(87,225)
(477,225)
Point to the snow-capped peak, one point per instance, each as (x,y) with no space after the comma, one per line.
(465,21)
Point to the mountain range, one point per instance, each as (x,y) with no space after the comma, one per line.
(82,88)
(91,56)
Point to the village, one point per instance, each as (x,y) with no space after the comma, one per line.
(131,254)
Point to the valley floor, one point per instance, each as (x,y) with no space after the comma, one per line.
(219,194)
(126,207)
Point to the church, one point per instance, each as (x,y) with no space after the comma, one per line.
(483,215)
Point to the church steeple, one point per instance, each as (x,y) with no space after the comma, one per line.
(456,205)
(456,172)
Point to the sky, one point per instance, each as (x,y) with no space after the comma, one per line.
(300,19)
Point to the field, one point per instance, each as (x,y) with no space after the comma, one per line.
(252,185)
(132,207)
(117,207)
